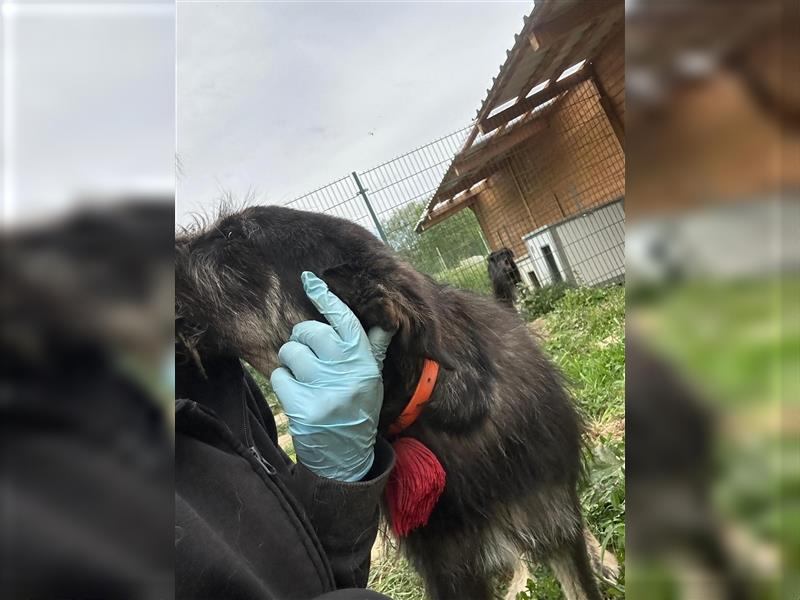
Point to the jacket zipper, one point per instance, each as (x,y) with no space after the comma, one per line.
(189,405)
(248,436)
(263,461)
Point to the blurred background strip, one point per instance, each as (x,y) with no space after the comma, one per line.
(713,340)
(86,287)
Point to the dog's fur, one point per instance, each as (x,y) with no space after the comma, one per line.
(504,275)
(499,420)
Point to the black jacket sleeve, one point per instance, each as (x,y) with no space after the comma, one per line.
(253,525)
(345,515)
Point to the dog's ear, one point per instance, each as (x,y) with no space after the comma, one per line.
(395,304)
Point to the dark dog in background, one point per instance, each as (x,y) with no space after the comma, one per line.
(499,420)
(504,275)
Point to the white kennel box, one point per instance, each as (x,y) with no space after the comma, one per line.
(587,249)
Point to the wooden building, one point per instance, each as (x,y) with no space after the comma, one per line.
(547,150)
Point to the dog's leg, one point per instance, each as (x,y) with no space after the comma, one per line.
(604,563)
(450,569)
(447,584)
(519,581)
(573,571)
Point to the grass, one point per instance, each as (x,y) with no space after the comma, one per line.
(470,274)
(585,336)
(737,342)
(534,303)
(391,574)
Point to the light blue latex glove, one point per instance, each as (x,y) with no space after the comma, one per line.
(330,387)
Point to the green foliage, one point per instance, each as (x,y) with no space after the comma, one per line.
(732,336)
(586,338)
(534,303)
(452,252)
(390,574)
(290,452)
(471,274)
(603,501)
(543,586)
(265,387)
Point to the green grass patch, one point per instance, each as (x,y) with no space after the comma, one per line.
(535,302)
(391,574)
(470,274)
(585,336)
(736,337)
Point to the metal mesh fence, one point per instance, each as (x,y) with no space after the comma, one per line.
(548,186)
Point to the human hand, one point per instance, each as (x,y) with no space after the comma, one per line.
(330,387)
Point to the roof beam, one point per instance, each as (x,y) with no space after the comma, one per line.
(462,183)
(526,104)
(551,32)
(437,216)
(483,154)
(616,122)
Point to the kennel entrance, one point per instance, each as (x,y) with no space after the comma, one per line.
(585,249)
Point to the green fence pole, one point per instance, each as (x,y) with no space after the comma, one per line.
(372,214)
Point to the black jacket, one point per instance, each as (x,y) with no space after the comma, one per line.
(249,523)
(86,480)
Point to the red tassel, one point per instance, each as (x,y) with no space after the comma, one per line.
(414,486)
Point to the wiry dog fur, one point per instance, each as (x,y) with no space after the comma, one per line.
(499,419)
(504,275)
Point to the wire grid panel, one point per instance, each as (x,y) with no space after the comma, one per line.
(454,251)
(398,191)
(340,198)
(555,199)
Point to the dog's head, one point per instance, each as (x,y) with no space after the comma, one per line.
(502,262)
(238,290)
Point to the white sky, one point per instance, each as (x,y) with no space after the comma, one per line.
(88,103)
(282,98)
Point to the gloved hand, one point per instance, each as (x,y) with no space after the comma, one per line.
(330,387)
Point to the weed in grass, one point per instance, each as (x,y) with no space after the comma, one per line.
(470,274)
(534,303)
(390,574)
(586,338)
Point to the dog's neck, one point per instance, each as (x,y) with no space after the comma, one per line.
(400,380)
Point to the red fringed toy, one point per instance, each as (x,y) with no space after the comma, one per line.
(418,477)
(414,486)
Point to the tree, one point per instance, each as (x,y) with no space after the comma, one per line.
(442,247)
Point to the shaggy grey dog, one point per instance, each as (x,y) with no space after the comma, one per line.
(499,420)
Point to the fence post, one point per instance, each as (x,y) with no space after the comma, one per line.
(372,214)
(441,259)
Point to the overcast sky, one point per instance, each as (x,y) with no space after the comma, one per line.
(283,98)
(88,103)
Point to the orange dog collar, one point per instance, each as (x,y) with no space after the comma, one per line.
(425,385)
